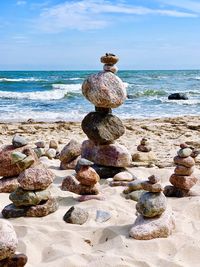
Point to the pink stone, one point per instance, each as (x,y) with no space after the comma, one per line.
(108,155)
(87,176)
(183,182)
(187,162)
(182,170)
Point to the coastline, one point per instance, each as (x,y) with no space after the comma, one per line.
(50,242)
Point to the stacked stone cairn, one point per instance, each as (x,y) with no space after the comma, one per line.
(32,197)
(182,179)
(13,160)
(84,181)
(154,219)
(144,153)
(105,91)
(8,247)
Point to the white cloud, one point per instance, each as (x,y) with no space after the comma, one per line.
(91,14)
(184,4)
(21,3)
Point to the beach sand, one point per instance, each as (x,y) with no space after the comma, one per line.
(50,242)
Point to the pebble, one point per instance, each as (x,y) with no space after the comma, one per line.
(19,141)
(76,215)
(53,144)
(185,152)
(153,179)
(102,216)
(154,188)
(17,156)
(40,144)
(51,153)
(123,176)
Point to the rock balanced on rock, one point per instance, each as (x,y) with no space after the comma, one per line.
(106,91)
(144,154)
(155,220)
(8,246)
(32,197)
(182,179)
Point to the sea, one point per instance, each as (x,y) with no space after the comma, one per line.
(56,95)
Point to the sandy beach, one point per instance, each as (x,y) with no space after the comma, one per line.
(50,242)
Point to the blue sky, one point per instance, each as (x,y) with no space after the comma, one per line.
(71,35)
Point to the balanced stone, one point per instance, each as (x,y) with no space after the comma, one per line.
(151,204)
(109,58)
(183,181)
(25,163)
(153,179)
(76,215)
(18,156)
(8,184)
(69,165)
(36,178)
(185,152)
(70,151)
(182,170)
(133,186)
(53,144)
(143,148)
(22,197)
(123,176)
(149,228)
(104,89)
(87,176)
(19,141)
(172,191)
(102,128)
(43,209)
(110,67)
(7,167)
(135,195)
(109,155)
(154,188)
(8,240)
(187,162)
(84,162)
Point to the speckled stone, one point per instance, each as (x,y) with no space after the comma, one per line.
(8,184)
(104,89)
(87,176)
(182,170)
(187,162)
(76,215)
(8,240)
(183,181)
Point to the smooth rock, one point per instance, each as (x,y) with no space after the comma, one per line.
(108,155)
(149,228)
(87,176)
(69,165)
(144,141)
(8,240)
(84,162)
(40,144)
(109,67)
(151,204)
(17,156)
(104,89)
(51,153)
(53,144)
(154,188)
(183,145)
(102,216)
(71,184)
(144,157)
(177,96)
(41,210)
(7,167)
(153,179)
(184,152)
(183,182)
(144,148)
(36,178)
(133,186)
(39,151)
(109,58)
(19,141)
(102,128)
(17,260)
(25,163)
(22,197)
(124,176)
(8,184)
(187,162)
(71,151)
(182,170)
(135,195)
(76,215)
(90,197)
(172,191)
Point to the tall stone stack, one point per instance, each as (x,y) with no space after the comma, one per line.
(31,197)
(182,179)
(106,91)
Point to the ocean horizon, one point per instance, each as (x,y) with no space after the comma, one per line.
(56,95)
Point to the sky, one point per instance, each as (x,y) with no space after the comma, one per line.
(74,34)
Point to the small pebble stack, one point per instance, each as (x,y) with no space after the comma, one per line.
(144,153)
(8,247)
(182,179)
(84,180)
(32,197)
(106,91)
(51,151)
(154,220)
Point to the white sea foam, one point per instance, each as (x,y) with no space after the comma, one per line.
(20,80)
(59,91)
(74,79)
(182,102)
